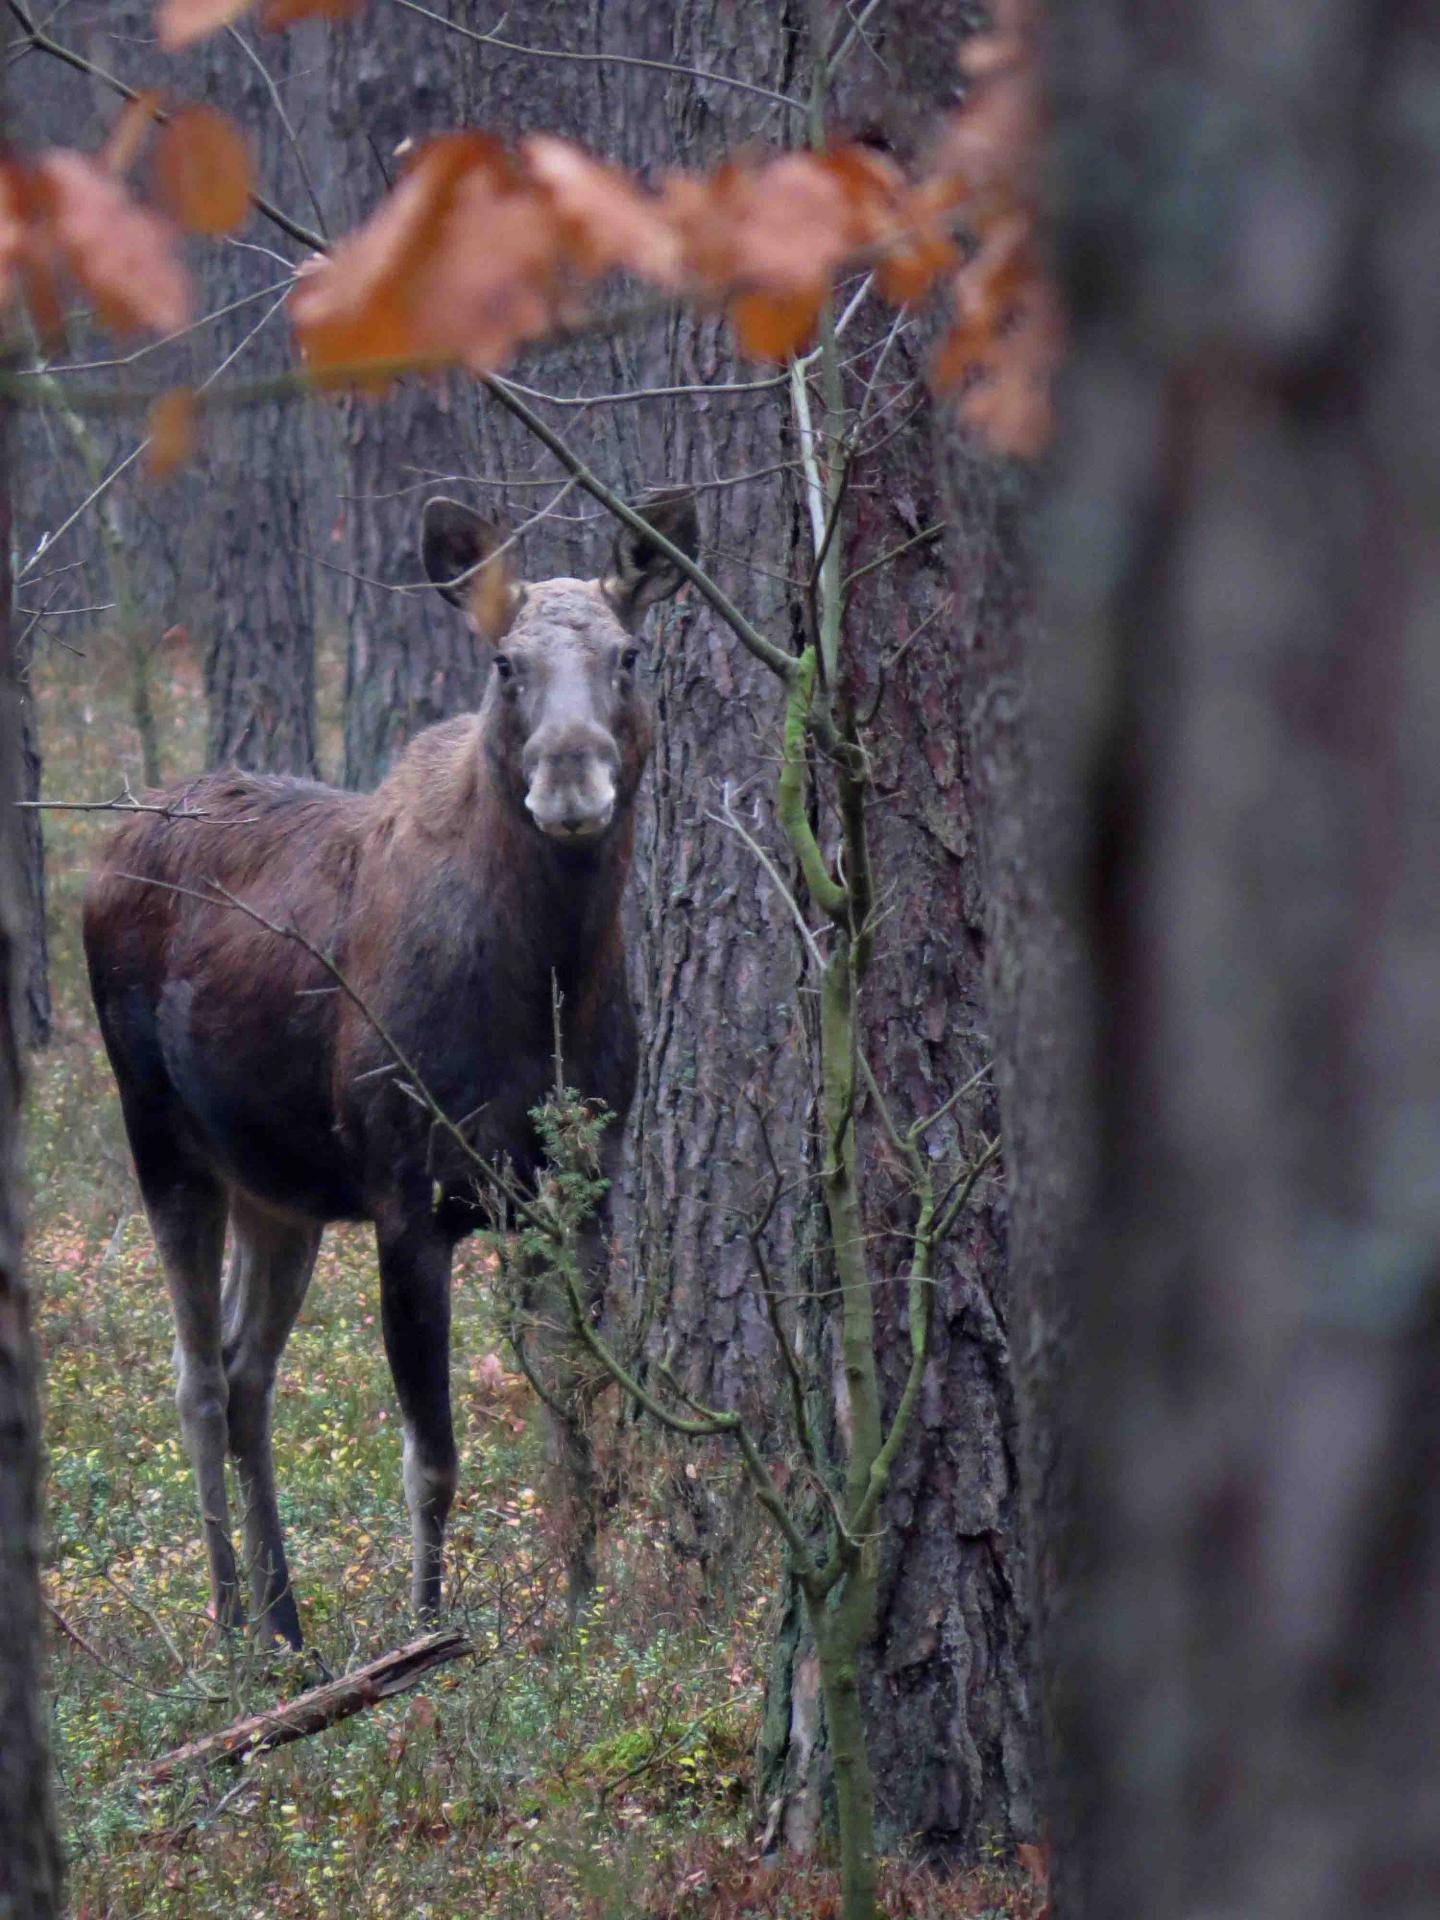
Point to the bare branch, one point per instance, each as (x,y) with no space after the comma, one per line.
(603,59)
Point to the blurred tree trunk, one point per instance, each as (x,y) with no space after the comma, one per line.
(1244,589)
(260,605)
(29,1852)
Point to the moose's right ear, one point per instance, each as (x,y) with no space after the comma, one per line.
(455,542)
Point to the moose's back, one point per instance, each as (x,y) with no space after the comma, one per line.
(221,1033)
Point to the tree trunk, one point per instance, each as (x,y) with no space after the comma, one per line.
(29,1853)
(1241,559)
(32,841)
(945,1687)
(409,661)
(259,606)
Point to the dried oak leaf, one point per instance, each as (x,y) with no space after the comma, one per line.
(128,136)
(275,14)
(202,171)
(458,263)
(771,234)
(604,219)
(12,229)
(122,254)
(171,432)
(179,23)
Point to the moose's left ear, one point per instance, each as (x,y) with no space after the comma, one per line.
(640,574)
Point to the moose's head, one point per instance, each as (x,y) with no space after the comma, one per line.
(566,723)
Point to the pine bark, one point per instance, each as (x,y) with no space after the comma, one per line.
(1244,600)
(946,1682)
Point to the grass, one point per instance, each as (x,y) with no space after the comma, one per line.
(602,1773)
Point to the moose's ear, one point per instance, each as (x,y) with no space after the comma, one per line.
(640,574)
(457,548)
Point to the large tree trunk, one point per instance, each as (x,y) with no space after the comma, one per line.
(1245,604)
(29,1854)
(946,1681)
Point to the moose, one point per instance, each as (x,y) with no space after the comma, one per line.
(480,880)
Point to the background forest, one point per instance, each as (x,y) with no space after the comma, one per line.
(1140,1125)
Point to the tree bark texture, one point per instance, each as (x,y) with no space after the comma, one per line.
(946,1685)
(29,1852)
(1244,608)
(256,616)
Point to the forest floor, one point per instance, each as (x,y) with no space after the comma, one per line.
(604,1772)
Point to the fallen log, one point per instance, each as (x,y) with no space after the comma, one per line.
(321,1707)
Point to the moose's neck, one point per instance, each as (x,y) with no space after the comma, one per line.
(558,906)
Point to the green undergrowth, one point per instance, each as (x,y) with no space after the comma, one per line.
(604,1772)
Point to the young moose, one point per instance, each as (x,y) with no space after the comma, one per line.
(256,1095)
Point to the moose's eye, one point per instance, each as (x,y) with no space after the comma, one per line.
(504,667)
(628,659)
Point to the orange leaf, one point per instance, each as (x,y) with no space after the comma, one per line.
(179,23)
(12,229)
(122,149)
(275,14)
(773,325)
(122,254)
(171,428)
(459,263)
(606,220)
(202,171)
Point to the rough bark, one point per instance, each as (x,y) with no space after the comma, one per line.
(257,615)
(1244,595)
(394,77)
(946,1685)
(29,1853)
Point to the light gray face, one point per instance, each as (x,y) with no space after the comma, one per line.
(566,670)
(565,716)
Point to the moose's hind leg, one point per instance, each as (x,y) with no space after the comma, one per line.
(187,1218)
(271,1261)
(415,1316)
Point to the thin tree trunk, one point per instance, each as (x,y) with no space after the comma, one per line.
(32,835)
(29,1853)
(259,608)
(1244,600)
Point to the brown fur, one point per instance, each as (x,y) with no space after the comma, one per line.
(256,1092)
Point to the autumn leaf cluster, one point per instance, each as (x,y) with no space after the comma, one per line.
(481,247)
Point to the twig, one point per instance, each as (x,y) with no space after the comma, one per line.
(605,59)
(323,1706)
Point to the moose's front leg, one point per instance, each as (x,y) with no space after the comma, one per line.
(415,1313)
